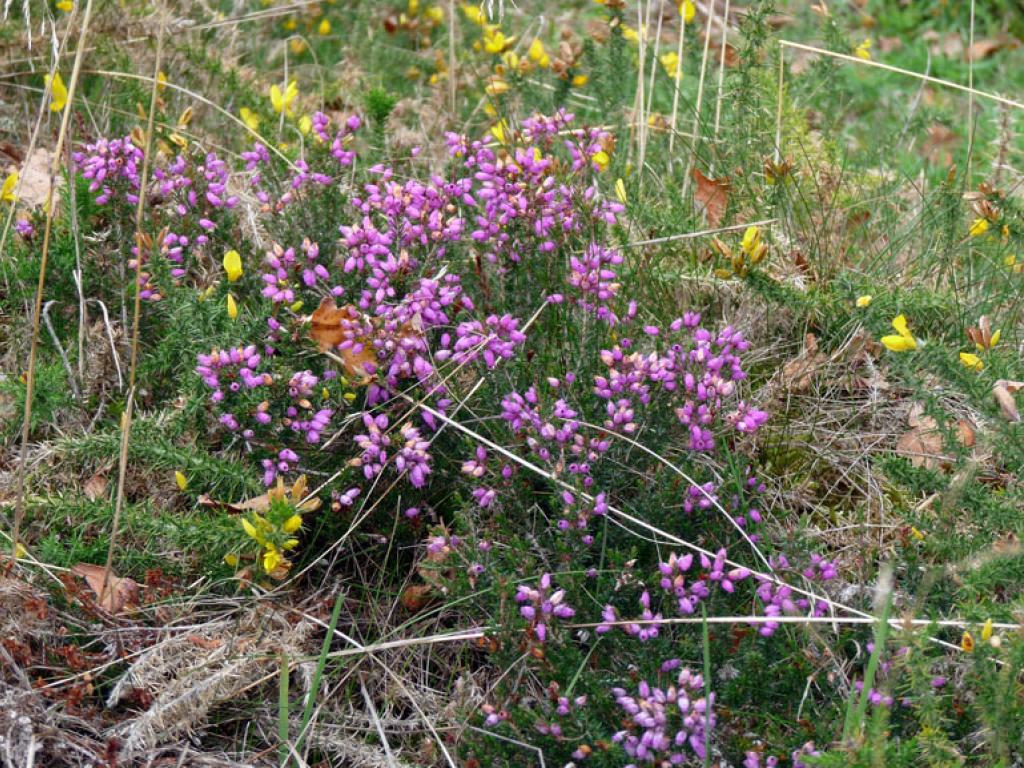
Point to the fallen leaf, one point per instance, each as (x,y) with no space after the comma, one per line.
(207,643)
(416,597)
(939,144)
(255,504)
(1003,392)
(950,45)
(965,433)
(923,446)
(712,197)
(35,179)
(118,593)
(798,373)
(328,331)
(95,487)
(985,47)
(916,418)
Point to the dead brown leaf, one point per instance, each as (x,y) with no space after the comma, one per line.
(95,487)
(1003,392)
(325,323)
(116,595)
(416,597)
(984,48)
(923,446)
(712,197)
(916,418)
(261,503)
(965,433)
(950,45)
(34,179)
(327,330)
(938,147)
(799,372)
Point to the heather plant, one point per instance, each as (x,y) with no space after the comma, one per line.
(619,391)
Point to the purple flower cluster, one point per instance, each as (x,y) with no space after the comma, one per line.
(540,606)
(111,166)
(666,723)
(781,600)
(594,281)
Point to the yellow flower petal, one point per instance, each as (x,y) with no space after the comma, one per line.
(538,55)
(670,61)
(578,81)
(65,5)
(231,559)
(986,631)
(7,191)
(995,338)
(751,239)
(900,324)
(978,227)
(601,159)
(271,559)
(499,131)
(474,13)
(181,480)
(250,118)
(233,265)
(863,51)
(292,524)
(232,307)
(899,343)
(305,125)
(250,529)
(58,92)
(687,10)
(324,29)
(967,642)
(863,301)
(971,361)
(620,190)
(496,86)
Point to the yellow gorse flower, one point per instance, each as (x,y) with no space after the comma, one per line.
(673,67)
(232,307)
(967,642)
(971,361)
(233,265)
(58,92)
(978,227)
(578,81)
(10,184)
(601,159)
(496,86)
(863,301)
(324,29)
(496,41)
(181,480)
(305,125)
(863,51)
(903,340)
(250,118)
(687,10)
(283,102)
(474,13)
(986,631)
(752,245)
(538,55)
(620,190)
(272,559)
(65,5)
